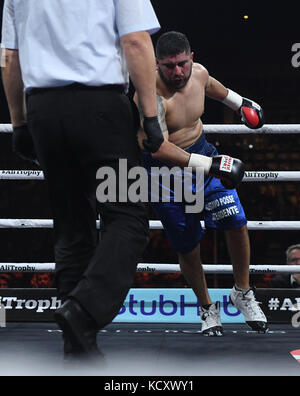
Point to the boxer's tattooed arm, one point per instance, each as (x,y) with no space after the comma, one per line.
(161,113)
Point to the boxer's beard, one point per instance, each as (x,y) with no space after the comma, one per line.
(172,84)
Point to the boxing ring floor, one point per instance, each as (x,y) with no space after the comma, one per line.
(35,349)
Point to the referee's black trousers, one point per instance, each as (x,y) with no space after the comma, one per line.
(76,131)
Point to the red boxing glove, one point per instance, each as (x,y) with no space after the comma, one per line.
(251,114)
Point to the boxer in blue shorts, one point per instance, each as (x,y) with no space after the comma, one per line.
(182,86)
(222,207)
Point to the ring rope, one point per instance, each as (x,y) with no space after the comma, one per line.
(232,129)
(158,267)
(250,176)
(153,224)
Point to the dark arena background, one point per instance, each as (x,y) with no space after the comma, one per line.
(253,48)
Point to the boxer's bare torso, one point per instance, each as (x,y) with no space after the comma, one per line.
(181,89)
(184,107)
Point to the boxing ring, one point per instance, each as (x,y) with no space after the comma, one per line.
(157,340)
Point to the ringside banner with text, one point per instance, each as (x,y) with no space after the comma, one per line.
(154,305)
(173,306)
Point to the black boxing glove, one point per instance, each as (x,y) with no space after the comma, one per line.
(154,134)
(22,144)
(250,112)
(229,170)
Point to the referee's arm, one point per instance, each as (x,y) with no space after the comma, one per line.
(13,86)
(140,58)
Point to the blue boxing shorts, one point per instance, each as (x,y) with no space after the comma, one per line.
(222,207)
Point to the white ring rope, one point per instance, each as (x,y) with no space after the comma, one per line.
(158,268)
(153,224)
(6,128)
(242,129)
(21,175)
(250,176)
(271,176)
(224,129)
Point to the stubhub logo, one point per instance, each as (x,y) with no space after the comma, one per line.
(173,305)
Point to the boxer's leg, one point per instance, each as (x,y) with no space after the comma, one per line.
(192,270)
(184,232)
(223,211)
(239,250)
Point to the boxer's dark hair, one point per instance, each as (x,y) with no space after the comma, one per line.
(172,43)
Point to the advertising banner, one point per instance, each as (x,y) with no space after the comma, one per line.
(152,306)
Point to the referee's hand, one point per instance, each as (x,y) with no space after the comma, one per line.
(154,134)
(22,144)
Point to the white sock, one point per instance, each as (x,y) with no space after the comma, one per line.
(242,290)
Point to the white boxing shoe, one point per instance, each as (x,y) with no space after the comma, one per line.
(246,303)
(211,321)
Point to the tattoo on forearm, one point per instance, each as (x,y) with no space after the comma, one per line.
(161,113)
